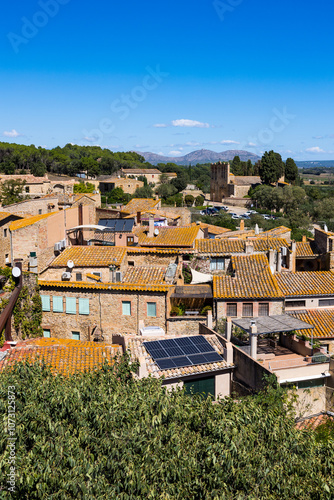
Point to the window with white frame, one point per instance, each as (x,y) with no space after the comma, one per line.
(152,309)
(217,264)
(126,308)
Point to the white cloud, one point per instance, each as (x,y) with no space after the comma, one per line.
(160,125)
(11,133)
(228,141)
(192,143)
(90,139)
(251,145)
(189,123)
(175,153)
(315,149)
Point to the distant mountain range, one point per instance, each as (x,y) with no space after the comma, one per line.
(200,156)
(313,164)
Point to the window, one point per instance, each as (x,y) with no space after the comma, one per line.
(264,309)
(307,384)
(58,304)
(130,240)
(247,310)
(217,263)
(45,302)
(204,386)
(131,263)
(27,189)
(83,306)
(71,305)
(7,258)
(46,333)
(40,211)
(152,309)
(326,302)
(76,335)
(97,273)
(231,309)
(5,233)
(78,276)
(126,308)
(295,303)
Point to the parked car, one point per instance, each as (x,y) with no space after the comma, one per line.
(266,217)
(244,216)
(226,209)
(252,212)
(235,216)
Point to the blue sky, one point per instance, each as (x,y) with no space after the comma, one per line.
(169,77)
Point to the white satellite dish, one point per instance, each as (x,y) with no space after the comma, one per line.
(16,272)
(70,264)
(156,232)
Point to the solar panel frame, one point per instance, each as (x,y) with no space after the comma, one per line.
(182,352)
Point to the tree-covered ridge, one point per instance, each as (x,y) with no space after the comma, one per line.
(105,435)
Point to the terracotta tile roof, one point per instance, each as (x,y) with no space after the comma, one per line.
(90,256)
(305,249)
(306,283)
(211,228)
(29,221)
(93,277)
(137,350)
(276,231)
(141,171)
(220,246)
(253,279)
(134,250)
(145,275)
(172,236)
(4,215)
(231,246)
(65,356)
(28,178)
(321,319)
(140,205)
(104,286)
(312,422)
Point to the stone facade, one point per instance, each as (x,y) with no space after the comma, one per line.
(42,235)
(105,312)
(128,185)
(275,307)
(35,206)
(180,325)
(225,185)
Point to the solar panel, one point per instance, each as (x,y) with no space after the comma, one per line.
(183,351)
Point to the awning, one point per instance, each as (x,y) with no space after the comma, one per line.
(88,226)
(272,324)
(193,292)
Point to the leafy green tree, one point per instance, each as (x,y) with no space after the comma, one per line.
(144,192)
(291,170)
(165,190)
(11,191)
(189,200)
(271,168)
(84,187)
(199,200)
(180,183)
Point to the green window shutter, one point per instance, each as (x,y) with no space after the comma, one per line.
(45,302)
(76,335)
(58,304)
(71,305)
(83,306)
(126,308)
(152,309)
(46,333)
(204,386)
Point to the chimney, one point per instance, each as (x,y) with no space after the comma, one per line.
(139,218)
(279,261)
(206,232)
(228,328)
(253,340)
(151,227)
(304,238)
(242,225)
(292,257)
(272,260)
(80,213)
(249,248)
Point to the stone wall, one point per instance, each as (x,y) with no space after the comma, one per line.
(35,206)
(4,244)
(184,212)
(105,312)
(183,325)
(150,259)
(275,307)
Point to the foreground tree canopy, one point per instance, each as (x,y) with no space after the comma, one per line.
(104,435)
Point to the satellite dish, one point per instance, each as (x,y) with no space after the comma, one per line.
(156,232)
(70,264)
(16,272)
